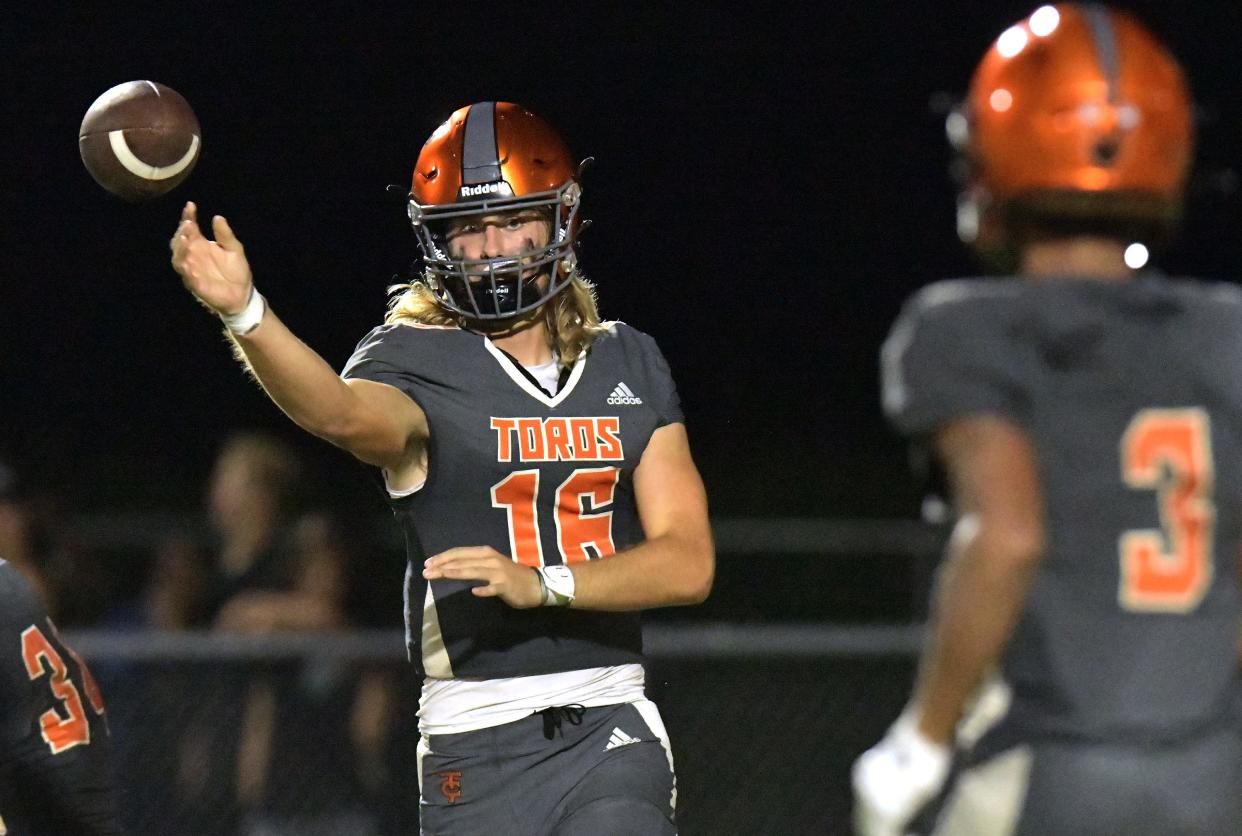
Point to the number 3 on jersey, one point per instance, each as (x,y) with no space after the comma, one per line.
(583,531)
(1169,569)
(43,659)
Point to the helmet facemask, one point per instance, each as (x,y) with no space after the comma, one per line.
(506,286)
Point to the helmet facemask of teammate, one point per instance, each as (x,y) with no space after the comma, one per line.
(1078,122)
(495,164)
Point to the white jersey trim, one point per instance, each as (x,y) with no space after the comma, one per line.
(530,388)
(651,716)
(452,706)
(398,494)
(436,661)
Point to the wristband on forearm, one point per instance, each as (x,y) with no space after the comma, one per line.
(556,584)
(249,317)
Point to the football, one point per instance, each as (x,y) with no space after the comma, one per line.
(139,140)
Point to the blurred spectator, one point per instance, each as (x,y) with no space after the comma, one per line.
(340,764)
(149,704)
(315,595)
(175,595)
(270,748)
(249,500)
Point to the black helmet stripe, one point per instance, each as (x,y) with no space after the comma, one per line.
(1105,46)
(480,159)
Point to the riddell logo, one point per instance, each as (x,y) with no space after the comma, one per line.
(482,188)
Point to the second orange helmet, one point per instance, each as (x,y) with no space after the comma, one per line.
(1077,98)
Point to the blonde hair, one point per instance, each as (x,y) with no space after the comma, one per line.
(571,315)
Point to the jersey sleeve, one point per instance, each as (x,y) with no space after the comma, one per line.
(376,359)
(665,400)
(952,353)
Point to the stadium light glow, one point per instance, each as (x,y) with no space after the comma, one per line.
(1000,100)
(1136,256)
(1011,42)
(1044,21)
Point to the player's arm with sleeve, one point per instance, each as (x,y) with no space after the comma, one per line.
(374,421)
(675,563)
(957,389)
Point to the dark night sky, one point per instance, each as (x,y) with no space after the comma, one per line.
(768,187)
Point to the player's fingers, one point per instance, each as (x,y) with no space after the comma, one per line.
(189,222)
(224,234)
(181,254)
(485,591)
(461,553)
(462,569)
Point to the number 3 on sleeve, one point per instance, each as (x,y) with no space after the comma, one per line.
(42,659)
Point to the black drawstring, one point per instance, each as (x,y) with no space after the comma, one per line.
(553,715)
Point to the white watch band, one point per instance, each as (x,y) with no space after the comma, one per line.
(249,317)
(557,583)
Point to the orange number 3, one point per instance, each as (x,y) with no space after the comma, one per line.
(42,659)
(1169,569)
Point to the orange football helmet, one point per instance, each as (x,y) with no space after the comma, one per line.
(494,157)
(1075,100)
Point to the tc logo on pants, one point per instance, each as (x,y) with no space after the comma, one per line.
(450,785)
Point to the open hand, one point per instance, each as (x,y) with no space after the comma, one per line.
(513,583)
(216,272)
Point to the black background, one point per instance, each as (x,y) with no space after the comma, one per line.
(769,185)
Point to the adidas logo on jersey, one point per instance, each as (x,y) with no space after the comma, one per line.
(619,738)
(622,396)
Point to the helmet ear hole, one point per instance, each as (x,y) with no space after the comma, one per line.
(1105,153)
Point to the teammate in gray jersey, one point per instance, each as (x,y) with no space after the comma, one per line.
(537,461)
(1089,419)
(53,732)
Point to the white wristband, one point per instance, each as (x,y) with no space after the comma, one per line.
(557,585)
(249,317)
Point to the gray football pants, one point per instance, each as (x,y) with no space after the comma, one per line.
(608,774)
(1095,789)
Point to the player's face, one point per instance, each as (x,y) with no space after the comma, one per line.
(502,258)
(498,235)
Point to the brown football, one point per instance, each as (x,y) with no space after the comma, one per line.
(139,139)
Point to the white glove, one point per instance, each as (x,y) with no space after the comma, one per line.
(896,778)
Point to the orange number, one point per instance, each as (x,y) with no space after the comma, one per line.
(41,658)
(516,494)
(577,530)
(1169,569)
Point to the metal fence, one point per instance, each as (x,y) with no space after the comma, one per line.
(767,704)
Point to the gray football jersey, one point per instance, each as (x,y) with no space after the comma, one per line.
(546,479)
(1132,394)
(53,732)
